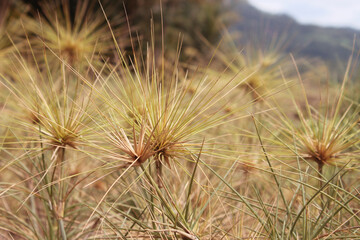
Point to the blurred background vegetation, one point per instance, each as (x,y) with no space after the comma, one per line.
(193,21)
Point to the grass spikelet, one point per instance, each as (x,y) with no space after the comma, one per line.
(171,114)
(50,116)
(141,89)
(327,136)
(76,37)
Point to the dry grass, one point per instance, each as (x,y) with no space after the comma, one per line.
(143,146)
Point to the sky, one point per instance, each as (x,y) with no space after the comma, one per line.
(332,13)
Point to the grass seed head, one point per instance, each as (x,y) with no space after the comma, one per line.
(76,37)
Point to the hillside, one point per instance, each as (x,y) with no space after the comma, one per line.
(332,45)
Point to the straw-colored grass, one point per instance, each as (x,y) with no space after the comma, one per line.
(98,142)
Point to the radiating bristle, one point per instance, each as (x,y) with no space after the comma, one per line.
(116,130)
